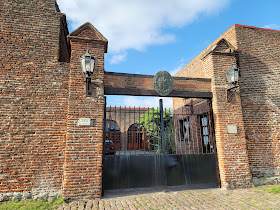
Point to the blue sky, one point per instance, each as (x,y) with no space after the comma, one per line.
(146,36)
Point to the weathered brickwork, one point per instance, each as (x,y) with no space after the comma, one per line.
(254,108)
(83,154)
(34,92)
(231,148)
(260,97)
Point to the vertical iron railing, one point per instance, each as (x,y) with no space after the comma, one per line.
(135,130)
(162,126)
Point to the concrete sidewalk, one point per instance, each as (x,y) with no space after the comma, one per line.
(253,198)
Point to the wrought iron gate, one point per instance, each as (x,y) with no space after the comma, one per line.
(147,147)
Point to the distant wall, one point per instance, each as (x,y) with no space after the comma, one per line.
(124,117)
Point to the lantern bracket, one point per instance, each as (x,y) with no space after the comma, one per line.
(88,89)
(231,92)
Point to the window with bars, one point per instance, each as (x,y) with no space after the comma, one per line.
(184,132)
(205,133)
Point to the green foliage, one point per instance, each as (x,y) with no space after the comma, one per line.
(150,120)
(274,189)
(31,204)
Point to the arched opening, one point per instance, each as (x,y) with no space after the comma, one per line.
(113,133)
(137,138)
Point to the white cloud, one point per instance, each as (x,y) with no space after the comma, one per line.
(117,58)
(136,24)
(272,26)
(147,101)
(181,64)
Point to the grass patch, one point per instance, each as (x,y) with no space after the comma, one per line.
(274,189)
(31,204)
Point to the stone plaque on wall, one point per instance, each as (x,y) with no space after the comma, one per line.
(232,129)
(85,122)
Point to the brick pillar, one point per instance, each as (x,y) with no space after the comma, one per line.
(83,153)
(231,148)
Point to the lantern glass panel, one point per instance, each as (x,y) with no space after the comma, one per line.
(236,76)
(88,63)
(83,64)
(92,61)
(232,75)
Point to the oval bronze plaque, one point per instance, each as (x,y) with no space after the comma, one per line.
(163,83)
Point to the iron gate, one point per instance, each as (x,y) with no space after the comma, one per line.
(148,147)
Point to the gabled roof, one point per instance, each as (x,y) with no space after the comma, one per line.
(222,46)
(88,32)
(95,34)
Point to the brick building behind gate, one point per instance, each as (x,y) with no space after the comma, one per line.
(122,126)
(45,153)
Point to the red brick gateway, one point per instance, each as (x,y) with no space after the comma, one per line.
(46,152)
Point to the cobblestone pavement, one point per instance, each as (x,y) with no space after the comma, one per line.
(253,198)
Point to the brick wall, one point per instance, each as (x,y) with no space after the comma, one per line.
(259,52)
(34,92)
(231,148)
(83,153)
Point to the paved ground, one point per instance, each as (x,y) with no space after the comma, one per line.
(253,198)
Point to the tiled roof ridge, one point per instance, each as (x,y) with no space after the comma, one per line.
(266,29)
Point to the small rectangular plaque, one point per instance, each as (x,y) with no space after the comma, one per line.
(85,122)
(232,129)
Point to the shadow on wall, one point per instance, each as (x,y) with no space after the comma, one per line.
(260,99)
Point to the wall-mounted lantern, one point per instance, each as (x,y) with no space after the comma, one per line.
(87,62)
(232,77)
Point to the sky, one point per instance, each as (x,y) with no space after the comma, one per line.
(147,36)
